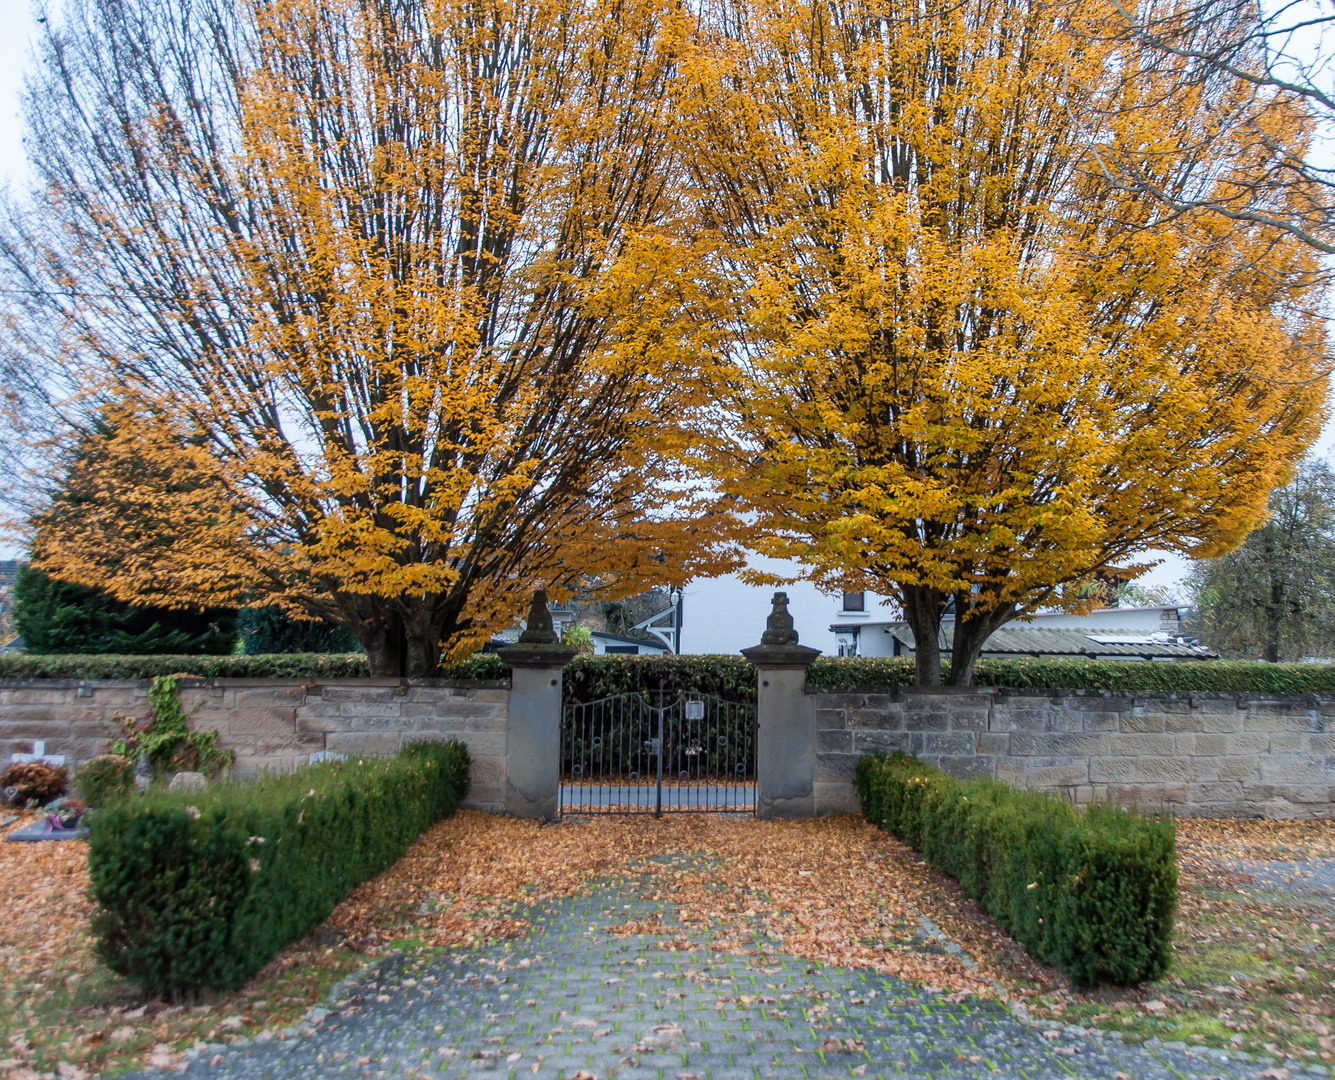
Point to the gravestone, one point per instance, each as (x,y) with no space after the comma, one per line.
(188,781)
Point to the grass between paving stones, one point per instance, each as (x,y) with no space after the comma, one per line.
(1254,966)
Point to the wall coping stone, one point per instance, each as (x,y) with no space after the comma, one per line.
(195,682)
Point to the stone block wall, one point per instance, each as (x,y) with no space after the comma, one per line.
(1197,754)
(275,724)
(1209,755)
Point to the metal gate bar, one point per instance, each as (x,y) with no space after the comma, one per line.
(694,753)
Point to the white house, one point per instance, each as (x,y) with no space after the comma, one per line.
(605,644)
(725,615)
(869,626)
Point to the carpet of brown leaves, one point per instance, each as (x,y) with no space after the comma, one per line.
(832,890)
(64,1015)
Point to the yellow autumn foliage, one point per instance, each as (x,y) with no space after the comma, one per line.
(422,346)
(968,368)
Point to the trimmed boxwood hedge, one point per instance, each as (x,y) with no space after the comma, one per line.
(587,678)
(1091,892)
(201,890)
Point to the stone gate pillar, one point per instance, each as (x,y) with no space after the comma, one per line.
(533,724)
(785,719)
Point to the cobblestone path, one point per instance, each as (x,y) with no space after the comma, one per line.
(572,1001)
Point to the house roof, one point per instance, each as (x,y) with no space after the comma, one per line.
(622,639)
(1021,639)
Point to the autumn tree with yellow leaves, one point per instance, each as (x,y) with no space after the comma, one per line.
(371,310)
(969,367)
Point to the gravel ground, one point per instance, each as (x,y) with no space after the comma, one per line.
(1311,877)
(572,1001)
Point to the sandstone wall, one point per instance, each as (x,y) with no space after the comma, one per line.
(1197,754)
(1217,755)
(274,723)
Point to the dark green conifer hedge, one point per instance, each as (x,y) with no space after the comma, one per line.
(200,891)
(1090,892)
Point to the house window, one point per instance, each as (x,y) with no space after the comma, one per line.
(853,601)
(631,650)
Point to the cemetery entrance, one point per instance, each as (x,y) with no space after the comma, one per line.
(658,752)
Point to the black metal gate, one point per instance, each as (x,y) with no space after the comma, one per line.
(657,753)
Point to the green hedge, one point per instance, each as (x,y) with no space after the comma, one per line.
(731,677)
(587,678)
(1090,892)
(271,666)
(265,666)
(1203,676)
(202,890)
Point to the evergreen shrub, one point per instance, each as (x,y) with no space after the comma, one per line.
(201,890)
(104,778)
(271,630)
(1091,892)
(54,616)
(587,678)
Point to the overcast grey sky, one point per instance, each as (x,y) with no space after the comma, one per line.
(16,31)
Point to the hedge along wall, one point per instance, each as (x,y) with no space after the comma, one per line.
(587,678)
(1091,893)
(201,890)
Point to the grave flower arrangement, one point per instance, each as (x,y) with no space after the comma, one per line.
(33,781)
(66,815)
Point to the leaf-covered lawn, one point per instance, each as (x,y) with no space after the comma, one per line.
(1254,964)
(834,890)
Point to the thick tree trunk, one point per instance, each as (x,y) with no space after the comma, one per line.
(971,635)
(1275,612)
(377,625)
(922,611)
(402,635)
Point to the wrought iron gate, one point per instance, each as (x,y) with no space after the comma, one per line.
(657,753)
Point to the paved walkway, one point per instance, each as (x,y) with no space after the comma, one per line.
(572,1001)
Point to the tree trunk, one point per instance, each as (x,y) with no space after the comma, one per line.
(1275,612)
(401,635)
(922,611)
(377,625)
(971,635)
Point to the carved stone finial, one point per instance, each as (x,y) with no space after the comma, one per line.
(778,646)
(539,630)
(779,626)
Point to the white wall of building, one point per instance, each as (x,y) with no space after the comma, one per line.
(872,640)
(1141,620)
(725,615)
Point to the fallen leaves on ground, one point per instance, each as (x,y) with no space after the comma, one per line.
(834,891)
(1254,965)
(65,1016)
(831,890)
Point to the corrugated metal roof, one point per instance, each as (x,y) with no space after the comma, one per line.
(1021,639)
